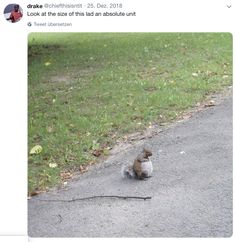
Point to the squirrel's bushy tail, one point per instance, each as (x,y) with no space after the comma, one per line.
(127,171)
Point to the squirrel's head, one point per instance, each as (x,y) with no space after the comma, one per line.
(147,152)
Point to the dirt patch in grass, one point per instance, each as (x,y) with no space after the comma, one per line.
(73,75)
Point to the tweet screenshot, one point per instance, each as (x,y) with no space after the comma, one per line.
(116,119)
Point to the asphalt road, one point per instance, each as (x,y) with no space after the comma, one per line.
(191,188)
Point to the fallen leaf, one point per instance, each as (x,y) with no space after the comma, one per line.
(82,168)
(47,63)
(210,103)
(36,150)
(97,153)
(36,192)
(65,175)
(92,162)
(52,165)
(186,116)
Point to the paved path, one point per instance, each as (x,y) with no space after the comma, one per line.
(191,188)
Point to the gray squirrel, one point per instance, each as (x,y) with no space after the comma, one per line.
(141,168)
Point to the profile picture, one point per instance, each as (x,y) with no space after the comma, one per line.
(13,13)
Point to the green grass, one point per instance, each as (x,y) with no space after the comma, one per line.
(88,89)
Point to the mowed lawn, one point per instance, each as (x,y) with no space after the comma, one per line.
(86,90)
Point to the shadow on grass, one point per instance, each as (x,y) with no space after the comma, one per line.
(38,50)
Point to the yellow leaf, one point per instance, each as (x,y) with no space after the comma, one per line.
(47,63)
(36,149)
(52,165)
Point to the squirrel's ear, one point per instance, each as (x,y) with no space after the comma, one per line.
(145,148)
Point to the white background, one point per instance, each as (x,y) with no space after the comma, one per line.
(152,16)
